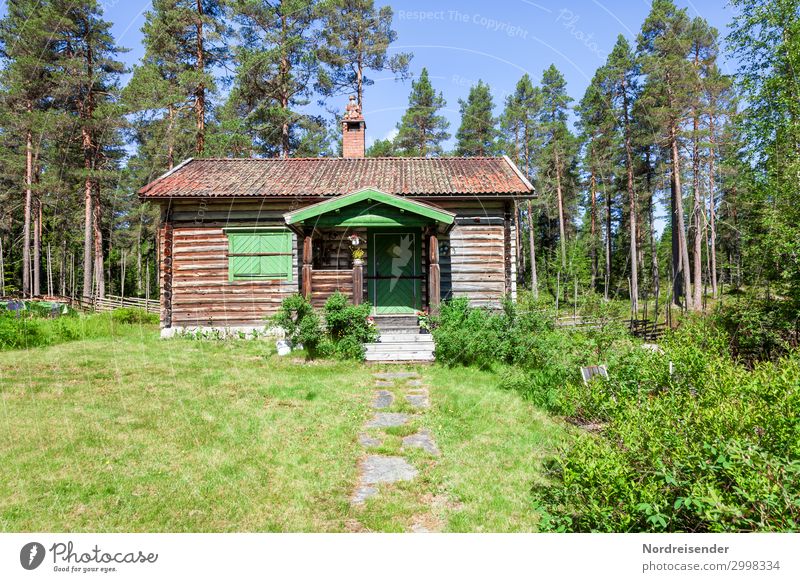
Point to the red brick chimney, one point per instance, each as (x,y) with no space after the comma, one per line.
(353,130)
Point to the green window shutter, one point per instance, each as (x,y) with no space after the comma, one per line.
(260,255)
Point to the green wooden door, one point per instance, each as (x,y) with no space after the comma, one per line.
(395,259)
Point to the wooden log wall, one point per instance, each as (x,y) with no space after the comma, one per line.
(474,260)
(477,259)
(326,283)
(201,292)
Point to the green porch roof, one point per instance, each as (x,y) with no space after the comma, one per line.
(372,208)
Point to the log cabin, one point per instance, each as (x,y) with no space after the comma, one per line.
(237,236)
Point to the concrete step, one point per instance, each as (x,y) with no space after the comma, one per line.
(410,347)
(397,323)
(407,331)
(400,357)
(386,338)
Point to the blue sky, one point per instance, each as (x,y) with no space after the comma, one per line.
(463,41)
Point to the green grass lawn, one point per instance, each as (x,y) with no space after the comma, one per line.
(138,434)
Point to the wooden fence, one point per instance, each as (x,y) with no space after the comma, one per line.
(641,328)
(107,303)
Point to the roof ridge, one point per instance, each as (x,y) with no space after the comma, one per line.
(340,159)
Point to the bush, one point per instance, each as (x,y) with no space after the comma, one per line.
(758,329)
(301,323)
(347,326)
(712,447)
(685,439)
(133,315)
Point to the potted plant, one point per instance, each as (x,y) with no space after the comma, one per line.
(424,321)
(358,252)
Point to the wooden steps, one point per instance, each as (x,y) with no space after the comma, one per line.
(400,340)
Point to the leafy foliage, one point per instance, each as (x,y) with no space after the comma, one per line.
(679,439)
(349,326)
(346,328)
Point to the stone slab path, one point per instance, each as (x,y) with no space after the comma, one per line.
(404,389)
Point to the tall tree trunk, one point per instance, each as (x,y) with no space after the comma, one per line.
(697,238)
(170,136)
(139,257)
(98,247)
(712,209)
(200,91)
(26,224)
(62,269)
(360,82)
(87,143)
(285,70)
(653,246)
(532,242)
(593,222)
(634,290)
(88,233)
(607,274)
(562,230)
(518,236)
(680,252)
(37,247)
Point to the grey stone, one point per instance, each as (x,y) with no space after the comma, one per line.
(384,384)
(422,440)
(414,383)
(369,441)
(383,399)
(395,375)
(387,419)
(418,400)
(362,493)
(377,469)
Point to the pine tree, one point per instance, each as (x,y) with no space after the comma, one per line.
(623,72)
(717,88)
(184,40)
(558,145)
(381,148)
(87,76)
(519,139)
(276,69)
(702,54)
(27,50)
(422,130)
(478,130)
(664,45)
(355,38)
(597,124)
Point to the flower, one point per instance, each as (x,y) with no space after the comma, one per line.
(355,240)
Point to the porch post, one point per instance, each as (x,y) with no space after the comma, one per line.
(307,265)
(358,282)
(434,293)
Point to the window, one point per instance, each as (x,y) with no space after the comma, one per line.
(259,255)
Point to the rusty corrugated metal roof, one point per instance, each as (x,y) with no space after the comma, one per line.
(257,177)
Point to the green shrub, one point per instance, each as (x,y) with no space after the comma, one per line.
(134,315)
(684,438)
(349,326)
(758,329)
(301,323)
(718,453)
